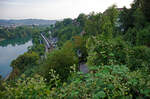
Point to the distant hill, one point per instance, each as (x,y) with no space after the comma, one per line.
(27,22)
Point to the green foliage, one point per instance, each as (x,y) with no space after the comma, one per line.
(18,32)
(104,51)
(107,27)
(38,48)
(144,6)
(79,45)
(23,62)
(101,82)
(138,36)
(139,57)
(139,18)
(92,26)
(112,13)
(26,88)
(82,19)
(126,19)
(65,30)
(143,36)
(102,23)
(131,36)
(105,82)
(1,85)
(118,66)
(15,41)
(60,61)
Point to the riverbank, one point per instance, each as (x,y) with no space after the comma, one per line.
(6,77)
(9,53)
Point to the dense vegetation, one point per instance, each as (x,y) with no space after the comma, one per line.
(18,32)
(114,45)
(15,41)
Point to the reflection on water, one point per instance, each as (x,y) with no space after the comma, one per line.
(16,41)
(11,52)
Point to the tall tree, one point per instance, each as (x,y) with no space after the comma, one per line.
(144,5)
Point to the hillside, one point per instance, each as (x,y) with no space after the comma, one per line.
(113,45)
(27,22)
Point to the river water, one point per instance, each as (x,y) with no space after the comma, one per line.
(9,53)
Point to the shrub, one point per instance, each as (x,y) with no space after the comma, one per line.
(25,60)
(23,63)
(79,46)
(139,57)
(104,51)
(60,61)
(143,36)
(131,36)
(28,88)
(105,82)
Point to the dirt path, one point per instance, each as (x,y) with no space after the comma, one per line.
(83,68)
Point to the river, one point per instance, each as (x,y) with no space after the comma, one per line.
(9,53)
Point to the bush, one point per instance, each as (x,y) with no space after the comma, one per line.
(131,36)
(23,63)
(29,88)
(79,46)
(104,51)
(143,36)
(106,82)
(60,61)
(25,60)
(139,57)
(101,82)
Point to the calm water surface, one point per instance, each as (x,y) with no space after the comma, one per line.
(9,53)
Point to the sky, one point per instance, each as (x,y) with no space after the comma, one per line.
(54,9)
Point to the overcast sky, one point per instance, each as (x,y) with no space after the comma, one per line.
(54,9)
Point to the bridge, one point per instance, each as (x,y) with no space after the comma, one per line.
(48,44)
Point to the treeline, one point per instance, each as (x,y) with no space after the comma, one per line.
(18,32)
(21,34)
(113,44)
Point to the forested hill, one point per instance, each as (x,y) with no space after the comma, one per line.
(27,22)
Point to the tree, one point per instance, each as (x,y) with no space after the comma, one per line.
(93,23)
(143,36)
(139,18)
(106,27)
(102,23)
(131,36)
(126,19)
(82,19)
(144,6)
(67,21)
(80,46)
(109,21)
(60,60)
(25,60)
(106,51)
(112,13)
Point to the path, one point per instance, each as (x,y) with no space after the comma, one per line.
(83,68)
